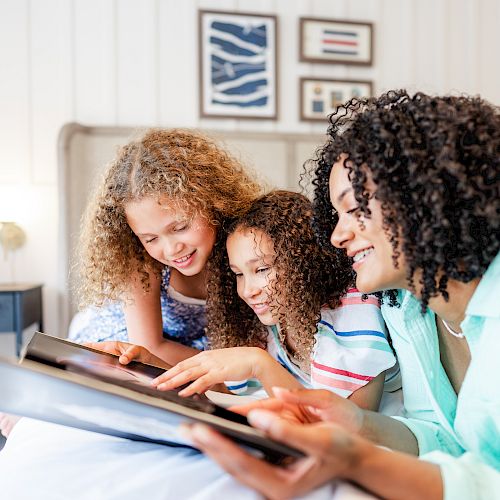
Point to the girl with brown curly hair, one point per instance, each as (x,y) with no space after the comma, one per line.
(147,235)
(300,325)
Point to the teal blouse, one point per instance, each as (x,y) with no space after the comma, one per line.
(461,434)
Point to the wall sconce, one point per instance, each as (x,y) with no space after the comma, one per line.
(11,237)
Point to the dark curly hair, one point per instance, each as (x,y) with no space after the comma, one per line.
(435,164)
(307,277)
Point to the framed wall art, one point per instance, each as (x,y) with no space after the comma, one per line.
(238,65)
(332,41)
(320,97)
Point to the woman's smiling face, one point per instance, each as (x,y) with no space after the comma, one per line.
(367,243)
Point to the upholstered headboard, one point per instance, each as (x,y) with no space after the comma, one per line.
(84,152)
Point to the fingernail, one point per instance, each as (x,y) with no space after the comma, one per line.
(201,434)
(278,390)
(260,418)
(185,431)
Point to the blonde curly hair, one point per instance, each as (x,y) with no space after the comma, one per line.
(183,168)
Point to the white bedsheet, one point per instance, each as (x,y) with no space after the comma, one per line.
(48,462)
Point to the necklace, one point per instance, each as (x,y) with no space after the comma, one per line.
(458,335)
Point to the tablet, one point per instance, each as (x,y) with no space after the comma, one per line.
(74,385)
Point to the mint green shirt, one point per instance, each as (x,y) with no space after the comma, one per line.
(461,434)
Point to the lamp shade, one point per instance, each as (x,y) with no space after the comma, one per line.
(11,237)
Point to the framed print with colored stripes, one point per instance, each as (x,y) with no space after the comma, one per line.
(333,41)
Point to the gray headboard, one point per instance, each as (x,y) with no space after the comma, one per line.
(84,151)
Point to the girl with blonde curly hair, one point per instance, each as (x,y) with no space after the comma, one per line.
(147,235)
(280,310)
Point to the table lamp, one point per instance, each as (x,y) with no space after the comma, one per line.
(11,237)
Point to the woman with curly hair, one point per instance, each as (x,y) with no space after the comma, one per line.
(414,182)
(302,326)
(147,235)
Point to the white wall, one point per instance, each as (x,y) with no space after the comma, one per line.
(134,62)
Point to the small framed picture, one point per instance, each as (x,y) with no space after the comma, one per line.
(320,97)
(332,41)
(238,65)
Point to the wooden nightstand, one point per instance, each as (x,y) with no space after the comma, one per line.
(20,306)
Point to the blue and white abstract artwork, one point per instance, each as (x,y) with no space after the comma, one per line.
(238,61)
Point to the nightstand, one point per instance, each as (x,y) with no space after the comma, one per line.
(20,306)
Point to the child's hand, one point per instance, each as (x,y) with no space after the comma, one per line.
(128,352)
(212,367)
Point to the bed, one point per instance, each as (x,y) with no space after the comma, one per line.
(83,151)
(47,462)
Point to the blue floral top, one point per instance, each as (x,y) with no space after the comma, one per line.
(183,317)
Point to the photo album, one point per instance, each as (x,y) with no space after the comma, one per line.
(70,384)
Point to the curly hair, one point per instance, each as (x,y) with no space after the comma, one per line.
(181,167)
(435,164)
(307,277)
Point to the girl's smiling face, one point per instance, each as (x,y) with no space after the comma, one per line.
(368,243)
(251,254)
(171,236)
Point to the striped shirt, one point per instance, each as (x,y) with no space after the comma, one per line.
(350,349)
